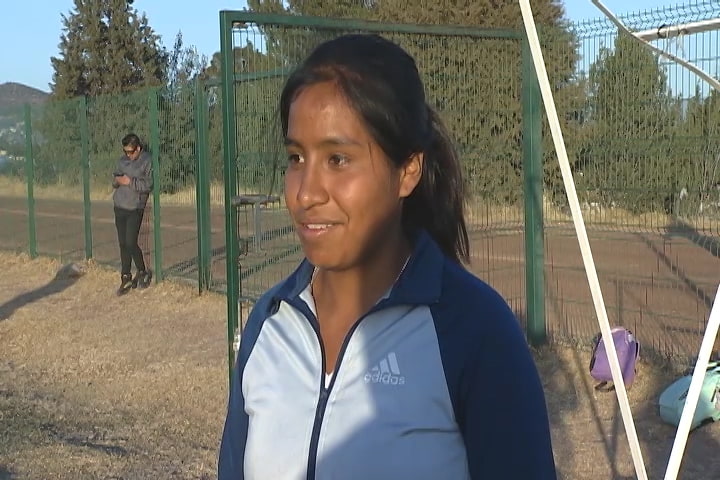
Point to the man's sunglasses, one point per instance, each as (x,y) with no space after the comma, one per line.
(130,152)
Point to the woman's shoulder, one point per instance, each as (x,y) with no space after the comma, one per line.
(288,287)
(470,304)
(462,285)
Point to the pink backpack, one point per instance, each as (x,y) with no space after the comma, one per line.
(628,350)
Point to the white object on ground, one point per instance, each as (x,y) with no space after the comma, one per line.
(693,395)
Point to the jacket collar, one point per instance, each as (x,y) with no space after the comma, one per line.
(419,284)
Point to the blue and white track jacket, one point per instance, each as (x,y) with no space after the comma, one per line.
(435,382)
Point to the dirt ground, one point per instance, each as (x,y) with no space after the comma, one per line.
(98,387)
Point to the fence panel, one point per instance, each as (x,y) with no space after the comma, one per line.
(58,180)
(643,136)
(473,78)
(14,221)
(647,166)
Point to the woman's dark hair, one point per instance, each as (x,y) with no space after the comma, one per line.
(381,82)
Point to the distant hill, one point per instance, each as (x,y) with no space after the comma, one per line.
(12,98)
(14,95)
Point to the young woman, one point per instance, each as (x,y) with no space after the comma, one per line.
(380,357)
(132,182)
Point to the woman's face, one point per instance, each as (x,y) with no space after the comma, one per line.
(343,193)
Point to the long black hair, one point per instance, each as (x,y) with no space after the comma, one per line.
(381,82)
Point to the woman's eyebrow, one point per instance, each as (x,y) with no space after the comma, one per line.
(329,141)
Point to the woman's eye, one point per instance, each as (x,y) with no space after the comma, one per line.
(338,160)
(294,158)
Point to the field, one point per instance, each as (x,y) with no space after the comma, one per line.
(658,276)
(98,387)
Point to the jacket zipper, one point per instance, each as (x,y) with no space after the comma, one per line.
(325,392)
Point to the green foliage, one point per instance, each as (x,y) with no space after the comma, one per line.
(56,142)
(631,124)
(698,158)
(177,117)
(109,54)
(106,47)
(475,84)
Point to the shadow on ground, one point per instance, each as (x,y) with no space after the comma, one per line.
(64,278)
(685,230)
(6,474)
(589,437)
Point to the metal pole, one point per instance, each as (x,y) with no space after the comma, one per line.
(202,187)
(230,172)
(30,174)
(85,159)
(155,150)
(533,186)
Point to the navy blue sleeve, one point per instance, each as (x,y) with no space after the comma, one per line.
(232,446)
(493,382)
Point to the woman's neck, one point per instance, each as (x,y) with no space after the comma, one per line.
(354,291)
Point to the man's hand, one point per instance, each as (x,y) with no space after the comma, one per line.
(123,180)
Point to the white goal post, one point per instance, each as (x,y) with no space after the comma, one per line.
(669,32)
(672,31)
(581,232)
(644,37)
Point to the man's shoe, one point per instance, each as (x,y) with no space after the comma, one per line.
(126,283)
(144,279)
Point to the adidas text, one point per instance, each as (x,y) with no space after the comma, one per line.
(384,378)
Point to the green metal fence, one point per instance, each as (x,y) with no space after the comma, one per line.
(494,116)
(644,154)
(643,137)
(56,198)
(645,146)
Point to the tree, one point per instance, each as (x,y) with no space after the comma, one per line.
(106,47)
(474,83)
(178,127)
(259,78)
(107,51)
(697,157)
(632,116)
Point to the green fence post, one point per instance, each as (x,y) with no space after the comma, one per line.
(230,173)
(155,149)
(202,187)
(533,192)
(30,174)
(85,159)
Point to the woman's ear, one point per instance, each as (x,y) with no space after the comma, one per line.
(410,174)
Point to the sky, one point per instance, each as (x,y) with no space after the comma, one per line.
(31,29)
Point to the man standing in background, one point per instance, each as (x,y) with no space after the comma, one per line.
(132,182)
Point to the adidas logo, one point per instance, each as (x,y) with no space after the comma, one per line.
(386,372)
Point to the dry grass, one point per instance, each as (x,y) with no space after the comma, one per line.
(13,187)
(95,386)
(91,389)
(480,214)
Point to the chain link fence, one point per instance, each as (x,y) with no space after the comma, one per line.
(642,133)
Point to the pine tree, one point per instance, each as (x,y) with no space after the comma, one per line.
(178,129)
(697,159)
(106,47)
(475,84)
(632,117)
(109,55)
